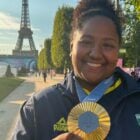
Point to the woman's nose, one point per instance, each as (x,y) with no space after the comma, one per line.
(95,52)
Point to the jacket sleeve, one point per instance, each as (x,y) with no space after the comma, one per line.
(25,126)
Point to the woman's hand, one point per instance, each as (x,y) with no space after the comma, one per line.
(67,136)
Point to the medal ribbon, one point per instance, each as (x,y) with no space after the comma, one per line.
(97,93)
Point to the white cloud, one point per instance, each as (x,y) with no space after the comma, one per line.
(8,22)
(7,44)
(9,27)
(7,33)
(6,48)
(35,29)
(3,37)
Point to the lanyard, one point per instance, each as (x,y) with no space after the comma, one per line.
(96,93)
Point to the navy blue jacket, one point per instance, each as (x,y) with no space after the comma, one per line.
(44,116)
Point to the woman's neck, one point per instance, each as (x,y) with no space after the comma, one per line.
(86,85)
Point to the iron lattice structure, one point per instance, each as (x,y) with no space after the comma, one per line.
(25,33)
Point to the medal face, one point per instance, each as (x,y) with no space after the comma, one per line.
(86,121)
(89,120)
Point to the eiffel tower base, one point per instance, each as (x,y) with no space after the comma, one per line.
(25,53)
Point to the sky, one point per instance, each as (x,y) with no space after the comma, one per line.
(41,14)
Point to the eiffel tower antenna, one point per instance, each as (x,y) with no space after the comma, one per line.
(25,33)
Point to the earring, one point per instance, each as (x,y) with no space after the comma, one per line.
(70,54)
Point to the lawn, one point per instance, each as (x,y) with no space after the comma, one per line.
(7,85)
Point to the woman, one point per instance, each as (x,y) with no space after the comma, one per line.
(95,43)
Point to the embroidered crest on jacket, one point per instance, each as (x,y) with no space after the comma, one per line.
(61,125)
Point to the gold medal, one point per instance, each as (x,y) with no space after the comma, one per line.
(89,120)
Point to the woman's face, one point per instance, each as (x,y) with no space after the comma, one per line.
(94,50)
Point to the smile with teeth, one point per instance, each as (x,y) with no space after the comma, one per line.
(94,65)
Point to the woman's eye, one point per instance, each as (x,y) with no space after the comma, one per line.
(108,46)
(86,42)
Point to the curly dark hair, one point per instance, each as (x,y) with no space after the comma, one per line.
(89,8)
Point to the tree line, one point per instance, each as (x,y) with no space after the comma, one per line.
(55,53)
(131,33)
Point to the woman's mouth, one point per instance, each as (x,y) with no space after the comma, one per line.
(94,65)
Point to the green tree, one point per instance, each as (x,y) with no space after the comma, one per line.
(47,45)
(42,60)
(23,71)
(60,40)
(132,33)
(8,72)
(136,4)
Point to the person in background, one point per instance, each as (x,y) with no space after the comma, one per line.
(65,73)
(95,42)
(44,74)
(133,74)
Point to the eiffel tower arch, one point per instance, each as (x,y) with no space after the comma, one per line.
(25,32)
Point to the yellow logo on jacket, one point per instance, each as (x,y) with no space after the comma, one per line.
(61,125)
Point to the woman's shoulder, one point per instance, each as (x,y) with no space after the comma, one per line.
(49,92)
(43,99)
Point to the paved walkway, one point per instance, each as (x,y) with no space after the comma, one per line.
(10,106)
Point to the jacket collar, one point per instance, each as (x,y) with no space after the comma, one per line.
(128,87)
(109,99)
(127,80)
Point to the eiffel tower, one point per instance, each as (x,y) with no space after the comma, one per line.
(25,33)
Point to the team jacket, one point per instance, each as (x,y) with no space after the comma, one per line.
(44,115)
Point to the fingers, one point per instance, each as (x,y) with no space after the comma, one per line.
(72,136)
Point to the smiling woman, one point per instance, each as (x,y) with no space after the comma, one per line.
(97,100)
(95,50)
